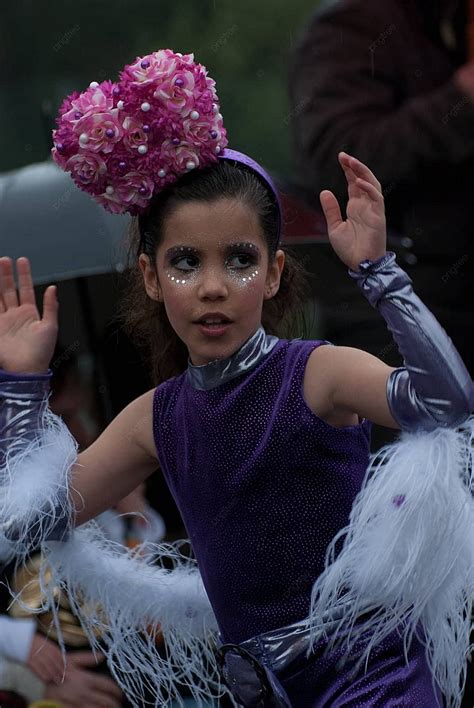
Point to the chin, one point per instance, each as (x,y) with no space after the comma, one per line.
(218,348)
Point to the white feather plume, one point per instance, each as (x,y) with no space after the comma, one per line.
(122,598)
(407,554)
(34,486)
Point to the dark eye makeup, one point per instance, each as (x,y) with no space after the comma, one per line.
(244,251)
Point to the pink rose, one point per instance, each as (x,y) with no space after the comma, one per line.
(151,68)
(132,194)
(187,58)
(86,167)
(133,133)
(177,157)
(177,97)
(93,100)
(136,187)
(103,130)
(111,202)
(197,132)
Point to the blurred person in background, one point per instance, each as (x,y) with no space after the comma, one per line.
(393,84)
(31,669)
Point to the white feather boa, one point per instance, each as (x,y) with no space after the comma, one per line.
(34,486)
(125,599)
(122,598)
(408,553)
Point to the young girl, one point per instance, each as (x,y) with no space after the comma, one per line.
(264,441)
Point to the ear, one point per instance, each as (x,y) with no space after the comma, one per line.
(150,278)
(275,269)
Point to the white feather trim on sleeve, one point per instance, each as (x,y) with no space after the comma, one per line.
(122,598)
(408,554)
(34,487)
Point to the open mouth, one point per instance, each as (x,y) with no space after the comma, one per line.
(214,327)
(213,318)
(213,323)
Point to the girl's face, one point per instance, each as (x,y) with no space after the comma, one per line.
(213,264)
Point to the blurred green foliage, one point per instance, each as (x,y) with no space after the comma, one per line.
(51,48)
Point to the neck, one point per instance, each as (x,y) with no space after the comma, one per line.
(219,371)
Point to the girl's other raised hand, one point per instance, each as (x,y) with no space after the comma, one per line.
(363,235)
(27,341)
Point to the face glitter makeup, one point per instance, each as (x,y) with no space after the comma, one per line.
(241,279)
(178,256)
(213,261)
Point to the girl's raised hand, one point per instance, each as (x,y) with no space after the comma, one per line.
(363,234)
(27,341)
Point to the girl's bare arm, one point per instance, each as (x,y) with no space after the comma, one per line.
(121,457)
(343,384)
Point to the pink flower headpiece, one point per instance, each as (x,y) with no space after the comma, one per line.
(123,142)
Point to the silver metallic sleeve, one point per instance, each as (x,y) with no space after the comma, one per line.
(433,388)
(23,401)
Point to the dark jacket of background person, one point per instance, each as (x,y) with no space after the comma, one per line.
(376,79)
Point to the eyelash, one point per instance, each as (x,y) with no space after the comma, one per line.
(250,256)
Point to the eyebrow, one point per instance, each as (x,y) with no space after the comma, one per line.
(227,249)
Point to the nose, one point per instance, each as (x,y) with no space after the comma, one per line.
(212,285)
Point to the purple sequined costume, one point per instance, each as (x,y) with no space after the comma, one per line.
(263,486)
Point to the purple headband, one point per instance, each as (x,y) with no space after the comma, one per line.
(243,159)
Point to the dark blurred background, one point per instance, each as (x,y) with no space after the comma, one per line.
(49,49)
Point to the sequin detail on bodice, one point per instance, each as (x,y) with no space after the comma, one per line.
(262,483)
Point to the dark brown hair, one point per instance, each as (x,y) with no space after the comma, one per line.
(145,320)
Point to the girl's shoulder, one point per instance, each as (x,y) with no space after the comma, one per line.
(302,348)
(287,362)
(166,391)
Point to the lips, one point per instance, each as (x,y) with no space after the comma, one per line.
(213,318)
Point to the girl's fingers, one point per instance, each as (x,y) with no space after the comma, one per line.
(359,169)
(369,189)
(7,283)
(331,209)
(50,306)
(348,171)
(105,685)
(85,658)
(27,293)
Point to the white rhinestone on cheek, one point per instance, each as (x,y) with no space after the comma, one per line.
(243,279)
(181,281)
